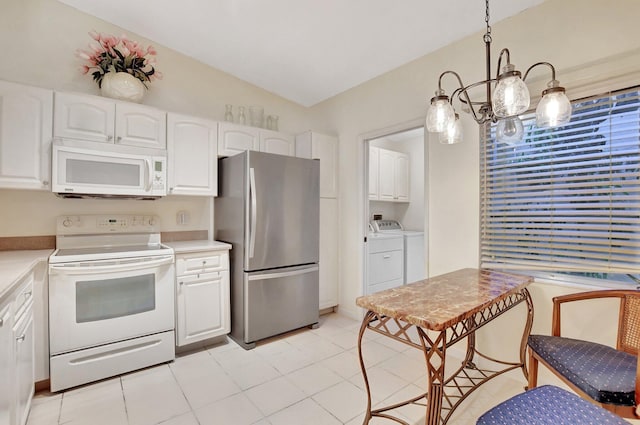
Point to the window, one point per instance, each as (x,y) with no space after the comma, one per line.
(567,199)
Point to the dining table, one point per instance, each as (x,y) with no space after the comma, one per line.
(434,314)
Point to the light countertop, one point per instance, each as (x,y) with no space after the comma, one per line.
(14,265)
(197,246)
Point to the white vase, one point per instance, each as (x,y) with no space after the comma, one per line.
(120,85)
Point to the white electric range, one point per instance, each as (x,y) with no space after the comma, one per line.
(111,298)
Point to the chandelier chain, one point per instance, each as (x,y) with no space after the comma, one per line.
(487,35)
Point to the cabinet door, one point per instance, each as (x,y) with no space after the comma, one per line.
(26,121)
(278,143)
(83,117)
(325,148)
(328,253)
(203,307)
(6,364)
(138,125)
(41,321)
(192,145)
(374,159)
(401,177)
(233,139)
(387,175)
(23,334)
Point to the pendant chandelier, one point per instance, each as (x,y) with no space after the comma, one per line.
(507,96)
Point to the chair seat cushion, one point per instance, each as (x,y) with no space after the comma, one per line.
(548,405)
(604,373)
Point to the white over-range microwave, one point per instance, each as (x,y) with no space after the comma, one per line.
(92,169)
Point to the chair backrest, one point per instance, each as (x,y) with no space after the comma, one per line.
(629,330)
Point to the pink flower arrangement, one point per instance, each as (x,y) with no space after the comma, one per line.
(118,54)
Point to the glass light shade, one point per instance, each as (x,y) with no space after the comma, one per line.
(510,131)
(553,110)
(511,95)
(453,133)
(439,115)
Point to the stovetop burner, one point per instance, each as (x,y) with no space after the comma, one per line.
(100,237)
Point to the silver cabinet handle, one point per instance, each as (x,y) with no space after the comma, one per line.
(386,256)
(1,323)
(21,338)
(109,138)
(181,283)
(119,138)
(45,182)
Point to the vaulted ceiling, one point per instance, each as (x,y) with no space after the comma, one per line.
(303,50)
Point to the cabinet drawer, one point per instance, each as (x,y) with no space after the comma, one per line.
(202,262)
(198,278)
(24,294)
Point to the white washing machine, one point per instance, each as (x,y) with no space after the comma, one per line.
(414,256)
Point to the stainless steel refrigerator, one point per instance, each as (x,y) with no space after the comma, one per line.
(268,210)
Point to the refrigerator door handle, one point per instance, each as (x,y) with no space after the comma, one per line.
(266,276)
(254,214)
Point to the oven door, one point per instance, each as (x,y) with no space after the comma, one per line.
(103,301)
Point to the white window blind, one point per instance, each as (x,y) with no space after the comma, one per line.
(568,198)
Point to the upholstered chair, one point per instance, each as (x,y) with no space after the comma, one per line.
(606,376)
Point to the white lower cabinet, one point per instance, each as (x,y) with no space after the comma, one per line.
(202,296)
(17,354)
(23,361)
(6,364)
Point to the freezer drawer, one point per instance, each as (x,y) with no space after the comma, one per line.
(280,300)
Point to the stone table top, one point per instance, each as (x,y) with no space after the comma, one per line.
(442,301)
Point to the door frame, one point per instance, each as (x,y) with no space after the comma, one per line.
(363,222)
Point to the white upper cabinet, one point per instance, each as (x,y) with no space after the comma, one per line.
(138,125)
(26,117)
(374,181)
(98,119)
(386,177)
(401,178)
(393,176)
(84,117)
(192,145)
(279,143)
(325,148)
(234,138)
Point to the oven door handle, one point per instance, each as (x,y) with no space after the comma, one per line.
(109,266)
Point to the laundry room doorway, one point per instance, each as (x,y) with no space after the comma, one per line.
(395,208)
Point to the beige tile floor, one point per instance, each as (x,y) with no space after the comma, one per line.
(308,377)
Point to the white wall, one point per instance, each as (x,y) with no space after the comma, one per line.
(38,40)
(571,34)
